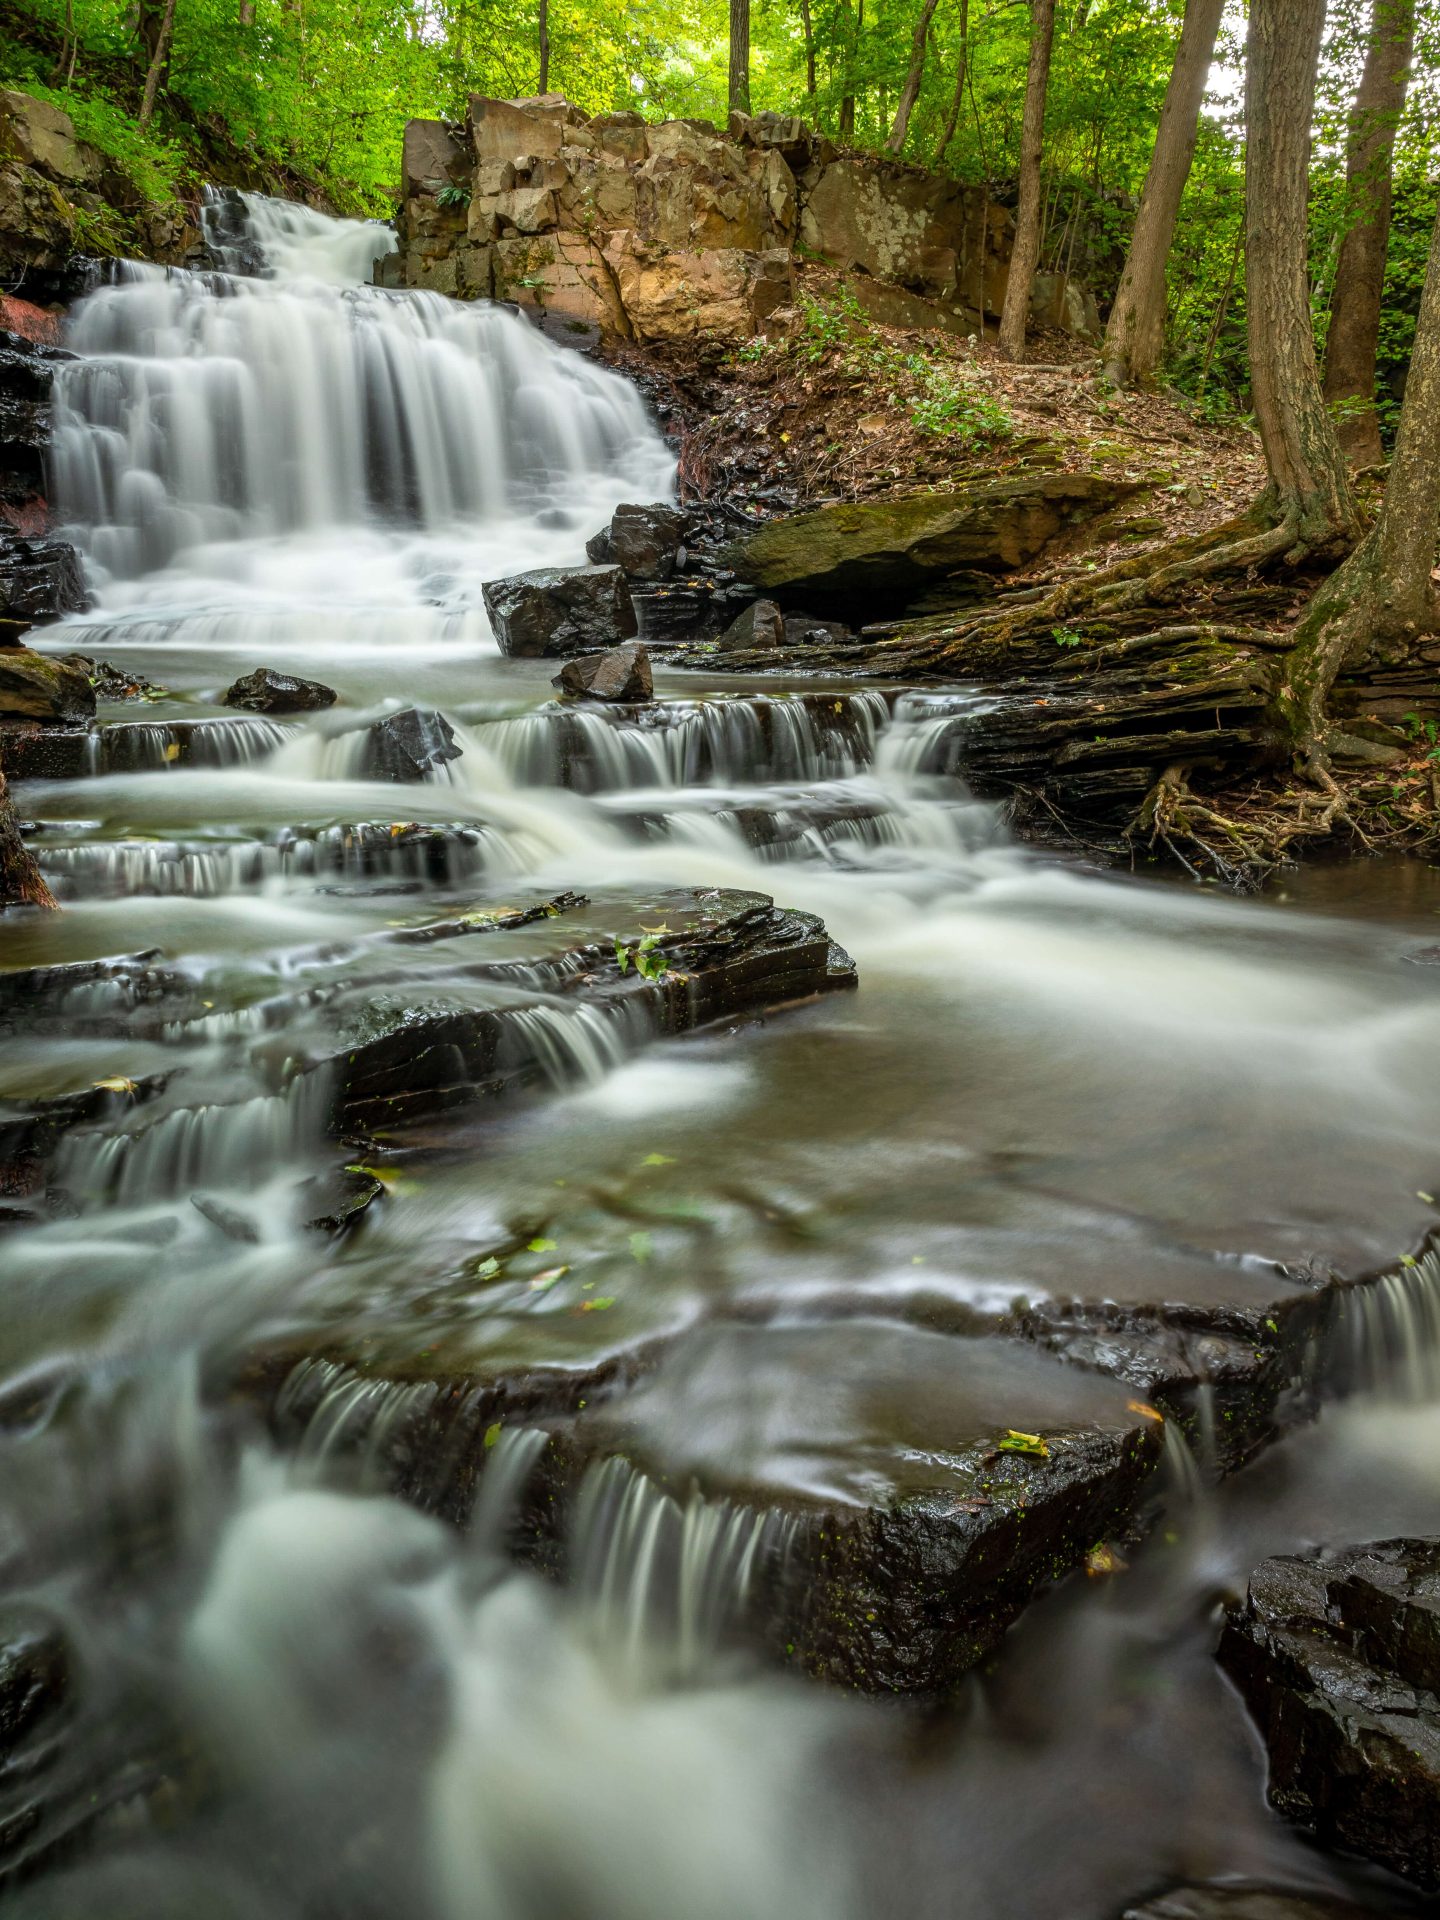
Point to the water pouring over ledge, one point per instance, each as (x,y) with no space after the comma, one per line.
(1053,1087)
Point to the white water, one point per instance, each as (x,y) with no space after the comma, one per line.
(1050,1083)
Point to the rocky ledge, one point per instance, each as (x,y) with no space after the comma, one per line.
(1338,1657)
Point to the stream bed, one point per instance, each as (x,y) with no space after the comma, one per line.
(682,1310)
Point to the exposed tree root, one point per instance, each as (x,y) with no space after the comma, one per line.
(21,881)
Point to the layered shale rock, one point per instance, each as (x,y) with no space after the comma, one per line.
(1338,1657)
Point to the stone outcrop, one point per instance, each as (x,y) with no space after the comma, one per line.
(1338,1657)
(622,673)
(268,691)
(408,745)
(554,611)
(33,687)
(679,228)
(40,580)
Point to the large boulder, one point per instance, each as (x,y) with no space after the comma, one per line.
(759,629)
(561,277)
(621,673)
(678,294)
(504,130)
(40,580)
(433,156)
(33,687)
(642,540)
(266,691)
(1338,1657)
(557,611)
(896,223)
(40,135)
(408,746)
(881,550)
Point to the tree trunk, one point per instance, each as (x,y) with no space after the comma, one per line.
(957,101)
(159,59)
(739,56)
(851,56)
(1309,490)
(910,92)
(1374,609)
(544,86)
(1360,277)
(21,882)
(1025,254)
(808,27)
(1136,333)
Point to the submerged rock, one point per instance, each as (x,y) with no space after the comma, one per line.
(407,746)
(558,612)
(621,674)
(267,691)
(1338,1657)
(34,687)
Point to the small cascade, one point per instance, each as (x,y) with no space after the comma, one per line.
(510,1462)
(343,1416)
(578,1046)
(233,1147)
(1387,1333)
(251,234)
(138,746)
(925,736)
(668,1580)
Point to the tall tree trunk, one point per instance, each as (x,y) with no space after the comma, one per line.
(159,60)
(1381,605)
(852,54)
(910,92)
(1360,277)
(957,99)
(808,28)
(739,56)
(1025,254)
(1136,332)
(1309,489)
(21,882)
(544,86)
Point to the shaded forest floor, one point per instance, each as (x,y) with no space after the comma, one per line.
(835,407)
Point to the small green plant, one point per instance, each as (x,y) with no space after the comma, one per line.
(649,964)
(453,196)
(1067,637)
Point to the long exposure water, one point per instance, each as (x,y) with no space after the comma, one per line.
(297,1695)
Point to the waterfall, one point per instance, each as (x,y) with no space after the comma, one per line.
(208,409)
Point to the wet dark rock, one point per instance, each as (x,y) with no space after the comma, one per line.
(266,691)
(394,1060)
(870,553)
(40,580)
(34,1677)
(409,745)
(336,1201)
(644,541)
(1338,1657)
(225,1219)
(111,682)
(32,750)
(557,612)
(804,630)
(675,612)
(30,1132)
(34,687)
(623,673)
(1246,1903)
(760,628)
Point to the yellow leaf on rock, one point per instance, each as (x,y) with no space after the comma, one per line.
(117,1083)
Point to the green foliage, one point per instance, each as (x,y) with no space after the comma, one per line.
(453,196)
(649,964)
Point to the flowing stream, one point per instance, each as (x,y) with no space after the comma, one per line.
(1053,1083)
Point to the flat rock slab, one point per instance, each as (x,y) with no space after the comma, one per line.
(1338,1657)
(871,552)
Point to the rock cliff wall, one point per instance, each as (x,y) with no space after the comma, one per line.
(659,232)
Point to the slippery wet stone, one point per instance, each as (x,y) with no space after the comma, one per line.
(1245,1903)
(557,612)
(408,746)
(1338,1657)
(621,674)
(760,628)
(268,691)
(642,540)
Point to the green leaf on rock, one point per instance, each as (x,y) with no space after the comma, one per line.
(1028,1443)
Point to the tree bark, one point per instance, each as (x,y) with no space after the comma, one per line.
(1136,331)
(21,882)
(910,92)
(159,59)
(808,28)
(1025,254)
(1376,607)
(1309,489)
(544,86)
(957,101)
(852,50)
(739,56)
(1354,334)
